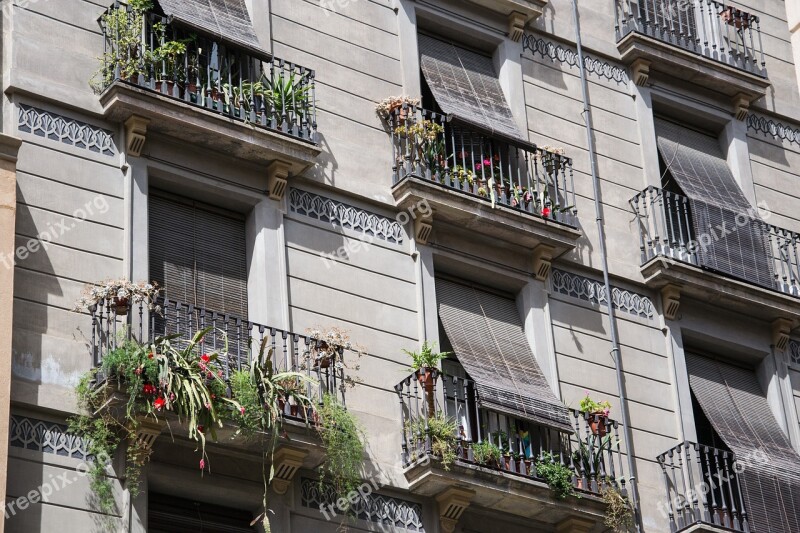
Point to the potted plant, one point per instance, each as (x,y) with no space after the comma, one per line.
(442,432)
(426,138)
(425,364)
(327,345)
(128,56)
(588,460)
(735,17)
(557,476)
(399,105)
(486,453)
(287,95)
(597,414)
(118,294)
(171,72)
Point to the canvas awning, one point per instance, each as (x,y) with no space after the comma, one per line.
(227,20)
(487,336)
(466,88)
(731,237)
(734,403)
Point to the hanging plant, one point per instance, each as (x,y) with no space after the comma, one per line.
(345,441)
(557,476)
(619,514)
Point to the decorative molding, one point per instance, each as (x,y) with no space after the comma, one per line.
(569,56)
(671,301)
(326,210)
(370,507)
(277,178)
(641,71)
(516,25)
(542,261)
(135,135)
(452,504)
(66,130)
(775,129)
(46,437)
(423,227)
(794,352)
(741,106)
(593,291)
(286,462)
(781,328)
(148,430)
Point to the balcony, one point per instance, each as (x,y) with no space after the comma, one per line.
(671,256)
(235,339)
(701,41)
(205,90)
(702,489)
(484,183)
(510,483)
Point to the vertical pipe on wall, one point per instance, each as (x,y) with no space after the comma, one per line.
(615,349)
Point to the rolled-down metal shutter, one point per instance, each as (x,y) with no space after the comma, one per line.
(734,403)
(487,336)
(466,87)
(730,236)
(198,254)
(227,20)
(168,514)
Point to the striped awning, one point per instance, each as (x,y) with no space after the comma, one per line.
(227,20)
(466,87)
(731,237)
(734,403)
(487,336)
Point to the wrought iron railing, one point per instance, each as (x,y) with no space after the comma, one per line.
(518,176)
(592,452)
(206,72)
(702,486)
(666,230)
(236,341)
(706,27)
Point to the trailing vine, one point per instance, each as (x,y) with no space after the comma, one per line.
(344,439)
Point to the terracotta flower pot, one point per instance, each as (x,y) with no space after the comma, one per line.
(597,423)
(427,380)
(528,466)
(507,462)
(121,306)
(400,113)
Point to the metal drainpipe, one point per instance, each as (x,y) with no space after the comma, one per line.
(615,350)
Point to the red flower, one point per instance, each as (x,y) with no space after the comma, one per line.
(546,212)
(159,403)
(138,371)
(151,355)
(201,429)
(241,410)
(149,389)
(205,358)
(202,464)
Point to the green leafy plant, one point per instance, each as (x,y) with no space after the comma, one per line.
(345,441)
(486,453)
(619,513)
(442,431)
(588,459)
(426,357)
(129,55)
(287,95)
(588,405)
(557,476)
(167,54)
(427,139)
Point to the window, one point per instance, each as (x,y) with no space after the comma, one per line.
(735,411)
(168,514)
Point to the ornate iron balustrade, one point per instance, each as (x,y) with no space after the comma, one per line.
(706,27)
(236,340)
(592,452)
(518,176)
(665,230)
(702,486)
(267,92)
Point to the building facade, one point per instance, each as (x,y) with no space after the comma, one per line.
(468,218)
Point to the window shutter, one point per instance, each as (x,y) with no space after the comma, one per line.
(466,87)
(734,403)
(487,336)
(227,20)
(169,514)
(199,255)
(731,238)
